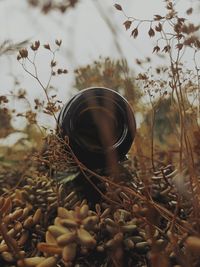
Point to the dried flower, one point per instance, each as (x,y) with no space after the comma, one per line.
(58,42)
(134,33)
(127,24)
(47,46)
(23,53)
(151,32)
(118,7)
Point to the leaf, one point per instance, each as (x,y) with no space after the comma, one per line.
(86,238)
(118,7)
(66,239)
(64,213)
(69,252)
(48,262)
(151,32)
(158,27)
(50,249)
(31,261)
(56,230)
(83,211)
(127,24)
(134,33)
(50,238)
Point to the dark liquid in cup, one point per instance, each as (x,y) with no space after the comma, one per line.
(99,123)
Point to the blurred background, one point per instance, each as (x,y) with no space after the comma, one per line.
(89,29)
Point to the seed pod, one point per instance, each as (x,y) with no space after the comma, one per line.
(66,239)
(49,262)
(69,252)
(85,238)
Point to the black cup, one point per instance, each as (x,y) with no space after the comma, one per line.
(100,126)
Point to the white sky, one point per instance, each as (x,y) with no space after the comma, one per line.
(84,33)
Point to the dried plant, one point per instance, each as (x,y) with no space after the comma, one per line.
(177,34)
(54,211)
(28,63)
